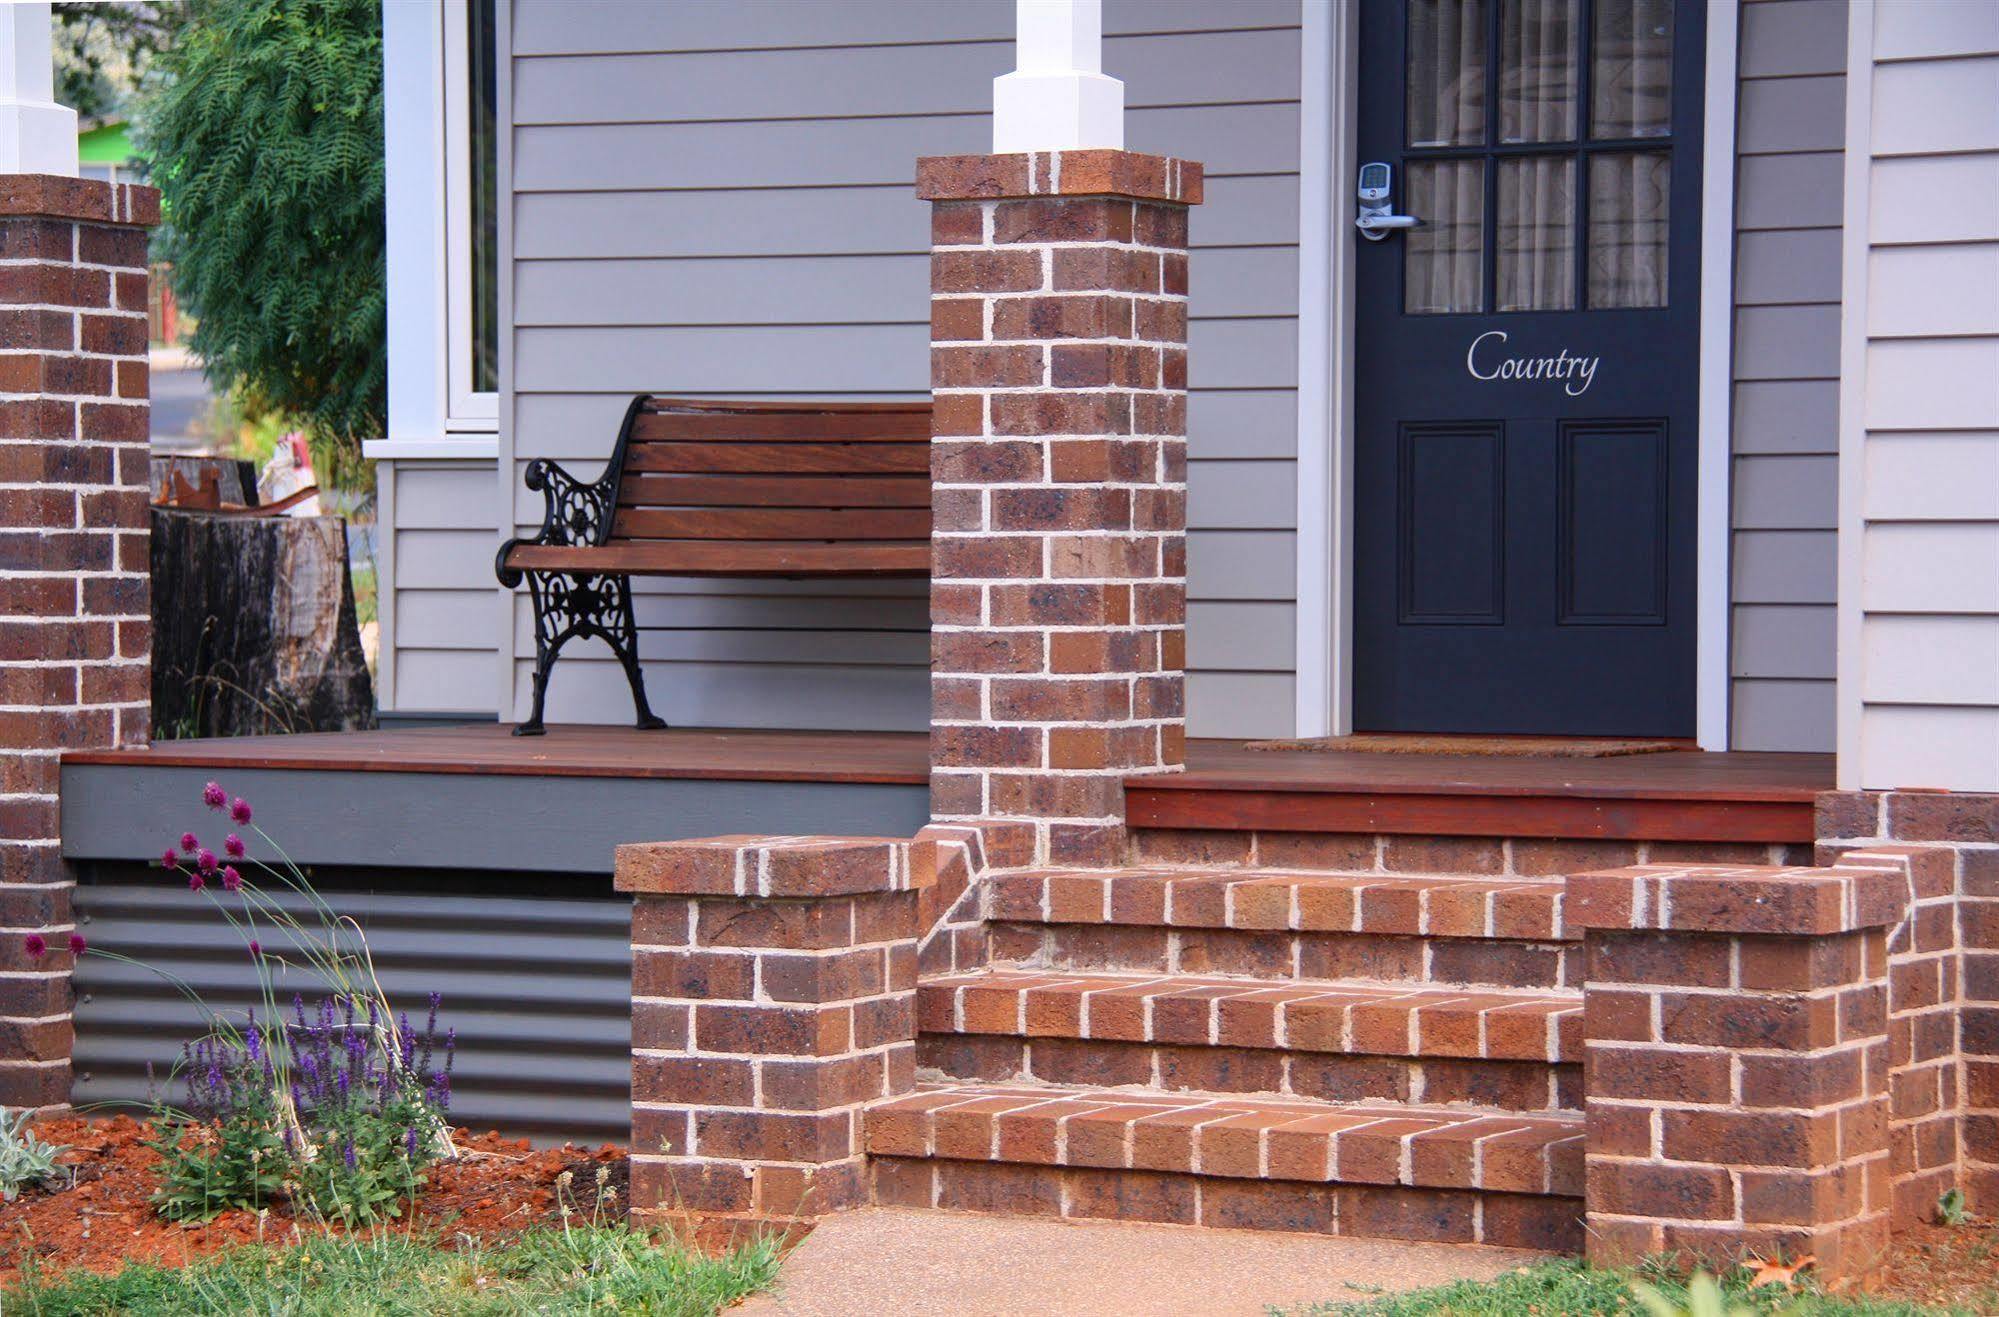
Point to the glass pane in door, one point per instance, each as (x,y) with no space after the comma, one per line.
(1444,265)
(1629,197)
(1446,75)
(1631,69)
(1537,70)
(1537,233)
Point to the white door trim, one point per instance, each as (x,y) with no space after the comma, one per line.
(1325,374)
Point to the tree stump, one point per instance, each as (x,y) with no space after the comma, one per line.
(253,627)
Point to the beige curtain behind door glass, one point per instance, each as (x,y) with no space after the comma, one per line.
(1629,199)
(1444,266)
(1631,69)
(1537,241)
(1446,74)
(1537,70)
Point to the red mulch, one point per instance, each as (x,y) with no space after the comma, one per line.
(497,1187)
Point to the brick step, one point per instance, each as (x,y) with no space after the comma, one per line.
(1377,1171)
(1473,930)
(1346,1042)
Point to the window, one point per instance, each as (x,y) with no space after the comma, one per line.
(471,214)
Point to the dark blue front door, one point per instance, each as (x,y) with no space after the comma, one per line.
(1525,367)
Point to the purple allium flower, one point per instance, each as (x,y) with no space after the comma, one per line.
(233,845)
(256,948)
(35,945)
(214,796)
(232,881)
(195,882)
(77,946)
(170,858)
(239,810)
(189,842)
(204,860)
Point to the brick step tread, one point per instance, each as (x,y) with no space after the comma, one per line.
(1371,1019)
(1278,900)
(1234,1137)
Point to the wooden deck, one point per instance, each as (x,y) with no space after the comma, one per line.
(490,749)
(1680,795)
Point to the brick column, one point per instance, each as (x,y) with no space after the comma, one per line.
(1736,1061)
(773,996)
(1943,969)
(1058,594)
(75,626)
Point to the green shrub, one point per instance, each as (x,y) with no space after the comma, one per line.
(264,128)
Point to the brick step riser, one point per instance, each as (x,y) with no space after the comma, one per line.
(1411,854)
(1358,1211)
(1523,1086)
(1279,956)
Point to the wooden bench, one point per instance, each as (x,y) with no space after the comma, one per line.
(710,488)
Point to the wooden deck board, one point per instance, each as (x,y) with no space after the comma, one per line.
(720,755)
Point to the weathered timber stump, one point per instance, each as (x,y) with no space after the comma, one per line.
(253,627)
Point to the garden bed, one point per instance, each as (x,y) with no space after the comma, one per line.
(103,1217)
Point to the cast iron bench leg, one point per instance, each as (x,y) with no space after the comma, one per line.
(567,606)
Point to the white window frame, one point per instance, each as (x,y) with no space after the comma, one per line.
(467,410)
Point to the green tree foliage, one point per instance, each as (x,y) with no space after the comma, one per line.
(264,130)
(102,50)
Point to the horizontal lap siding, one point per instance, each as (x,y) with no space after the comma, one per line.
(442,615)
(1790,118)
(1928,670)
(717,199)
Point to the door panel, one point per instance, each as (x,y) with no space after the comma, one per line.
(1526,360)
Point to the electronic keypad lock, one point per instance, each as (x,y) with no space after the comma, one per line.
(1375,192)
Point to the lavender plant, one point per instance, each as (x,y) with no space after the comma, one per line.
(339,1109)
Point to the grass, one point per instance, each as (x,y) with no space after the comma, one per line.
(587,1269)
(1573,1289)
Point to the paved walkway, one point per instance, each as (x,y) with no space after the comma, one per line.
(913,1264)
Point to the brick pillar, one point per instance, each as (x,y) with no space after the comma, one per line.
(1943,969)
(773,996)
(1058,594)
(75,628)
(1735,1075)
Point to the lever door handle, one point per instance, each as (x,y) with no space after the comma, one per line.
(1377,227)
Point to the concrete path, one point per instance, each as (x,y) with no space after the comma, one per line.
(913,1264)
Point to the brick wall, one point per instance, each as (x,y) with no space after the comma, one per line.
(1736,1061)
(74,610)
(1943,985)
(1058,593)
(773,995)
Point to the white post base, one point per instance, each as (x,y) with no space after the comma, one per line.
(1057,98)
(37,136)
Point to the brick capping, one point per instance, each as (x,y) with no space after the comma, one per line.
(779,867)
(58,196)
(1707,898)
(75,620)
(1087,173)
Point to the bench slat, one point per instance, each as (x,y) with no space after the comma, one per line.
(733,491)
(781,459)
(805,426)
(722,558)
(770,524)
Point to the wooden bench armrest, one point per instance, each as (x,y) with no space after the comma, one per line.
(575,513)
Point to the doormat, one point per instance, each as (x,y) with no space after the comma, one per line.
(1495,747)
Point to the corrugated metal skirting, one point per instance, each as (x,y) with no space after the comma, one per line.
(539,989)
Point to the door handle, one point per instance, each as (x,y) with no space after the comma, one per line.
(1375,227)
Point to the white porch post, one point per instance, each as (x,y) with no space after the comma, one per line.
(1057,98)
(37,136)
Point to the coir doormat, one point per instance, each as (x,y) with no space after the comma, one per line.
(1497,747)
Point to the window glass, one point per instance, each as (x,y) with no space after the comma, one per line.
(484,149)
(1537,70)
(1446,72)
(1537,238)
(1629,197)
(1444,264)
(1631,69)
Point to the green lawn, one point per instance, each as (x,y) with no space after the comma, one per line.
(387,1273)
(1571,1289)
